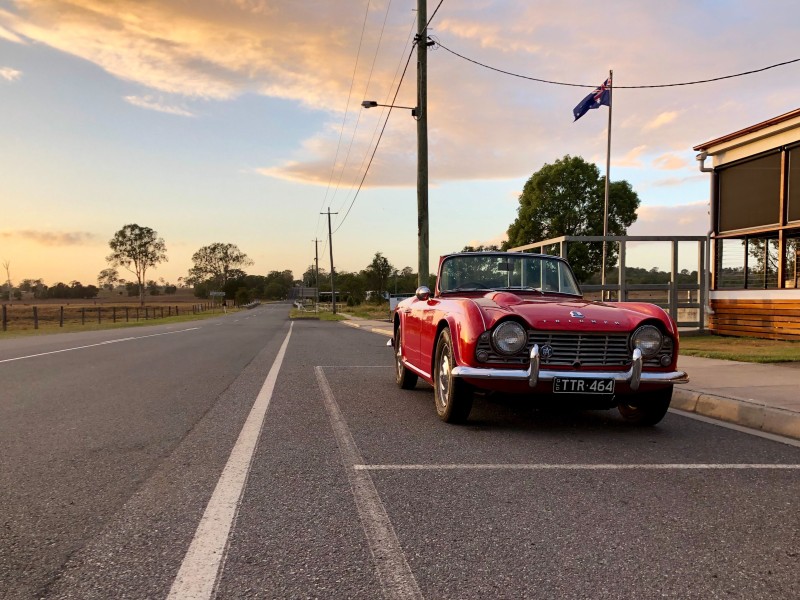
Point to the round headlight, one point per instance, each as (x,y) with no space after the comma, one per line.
(648,339)
(509,337)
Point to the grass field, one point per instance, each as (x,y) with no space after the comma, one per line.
(740,348)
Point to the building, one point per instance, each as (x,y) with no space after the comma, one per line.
(755,229)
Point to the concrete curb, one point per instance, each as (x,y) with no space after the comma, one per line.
(387,331)
(747,413)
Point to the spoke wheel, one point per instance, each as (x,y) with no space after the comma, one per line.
(404,378)
(646,408)
(453,397)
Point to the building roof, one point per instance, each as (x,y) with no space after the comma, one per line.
(748,130)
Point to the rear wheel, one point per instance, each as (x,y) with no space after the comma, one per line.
(404,378)
(453,397)
(646,408)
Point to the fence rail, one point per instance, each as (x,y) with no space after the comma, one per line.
(22,317)
(623,291)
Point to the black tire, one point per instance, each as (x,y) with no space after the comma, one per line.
(452,397)
(404,378)
(647,408)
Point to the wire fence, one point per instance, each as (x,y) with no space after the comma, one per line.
(20,317)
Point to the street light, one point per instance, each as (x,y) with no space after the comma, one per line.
(373,104)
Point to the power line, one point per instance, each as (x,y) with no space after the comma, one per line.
(388,114)
(438,6)
(616,87)
(366,90)
(386,101)
(346,109)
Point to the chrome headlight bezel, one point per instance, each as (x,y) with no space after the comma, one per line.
(648,339)
(509,338)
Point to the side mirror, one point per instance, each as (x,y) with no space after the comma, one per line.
(423,293)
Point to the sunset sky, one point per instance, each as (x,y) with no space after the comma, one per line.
(229,120)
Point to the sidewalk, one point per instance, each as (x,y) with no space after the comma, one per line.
(765,397)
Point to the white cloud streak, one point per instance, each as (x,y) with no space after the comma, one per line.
(10,74)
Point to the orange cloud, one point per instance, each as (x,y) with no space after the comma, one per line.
(52,238)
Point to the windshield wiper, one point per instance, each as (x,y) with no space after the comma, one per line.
(524,288)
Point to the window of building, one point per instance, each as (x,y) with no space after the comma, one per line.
(749,193)
(791,277)
(747,263)
(730,261)
(793,195)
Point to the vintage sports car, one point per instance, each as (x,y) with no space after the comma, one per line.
(517,323)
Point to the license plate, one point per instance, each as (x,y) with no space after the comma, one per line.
(569,385)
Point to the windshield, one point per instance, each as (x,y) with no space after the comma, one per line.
(470,272)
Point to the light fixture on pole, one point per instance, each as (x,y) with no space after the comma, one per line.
(373,104)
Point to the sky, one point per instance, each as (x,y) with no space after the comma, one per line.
(240,121)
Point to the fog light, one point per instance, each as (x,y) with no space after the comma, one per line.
(482,355)
(666,360)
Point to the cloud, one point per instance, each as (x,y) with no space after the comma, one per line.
(662,119)
(10,74)
(631,159)
(675,181)
(482,124)
(671,162)
(689,219)
(52,238)
(152,103)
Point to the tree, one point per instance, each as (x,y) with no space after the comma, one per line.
(137,249)
(218,263)
(378,272)
(567,198)
(108,278)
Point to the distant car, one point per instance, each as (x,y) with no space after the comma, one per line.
(518,323)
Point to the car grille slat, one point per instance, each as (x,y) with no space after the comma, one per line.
(576,349)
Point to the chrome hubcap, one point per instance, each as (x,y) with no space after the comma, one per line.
(398,357)
(444,378)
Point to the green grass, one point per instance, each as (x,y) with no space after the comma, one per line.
(315,316)
(740,348)
(368,311)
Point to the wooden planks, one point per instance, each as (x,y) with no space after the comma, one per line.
(771,319)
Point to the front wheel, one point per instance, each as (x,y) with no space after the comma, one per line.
(647,408)
(404,378)
(453,397)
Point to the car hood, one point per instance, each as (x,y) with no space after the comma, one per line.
(561,313)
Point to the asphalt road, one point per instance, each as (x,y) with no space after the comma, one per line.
(324,480)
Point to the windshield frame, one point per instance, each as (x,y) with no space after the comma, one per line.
(561,266)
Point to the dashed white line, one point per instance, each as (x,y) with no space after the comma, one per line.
(393,571)
(127,339)
(202,564)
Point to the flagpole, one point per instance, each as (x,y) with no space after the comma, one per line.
(608,180)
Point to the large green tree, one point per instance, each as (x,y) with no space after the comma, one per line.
(137,249)
(218,263)
(377,273)
(567,198)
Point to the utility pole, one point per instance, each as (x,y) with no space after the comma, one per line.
(316,273)
(603,294)
(422,143)
(330,245)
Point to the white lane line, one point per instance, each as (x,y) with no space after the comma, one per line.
(127,339)
(202,564)
(393,571)
(580,467)
(762,434)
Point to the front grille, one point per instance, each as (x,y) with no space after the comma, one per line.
(569,348)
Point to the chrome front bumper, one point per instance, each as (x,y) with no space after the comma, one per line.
(534,374)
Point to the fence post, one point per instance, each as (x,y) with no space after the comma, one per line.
(145,313)
(35,318)
(137,313)
(113,314)
(126,314)
(5,318)
(83,316)
(176,310)
(162,312)
(98,314)
(61,316)
(169,311)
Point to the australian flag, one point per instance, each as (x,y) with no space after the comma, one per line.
(600,96)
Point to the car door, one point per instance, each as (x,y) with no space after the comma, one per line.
(411,331)
(427,332)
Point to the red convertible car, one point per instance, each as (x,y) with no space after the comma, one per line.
(517,323)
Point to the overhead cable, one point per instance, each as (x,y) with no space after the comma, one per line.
(616,87)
